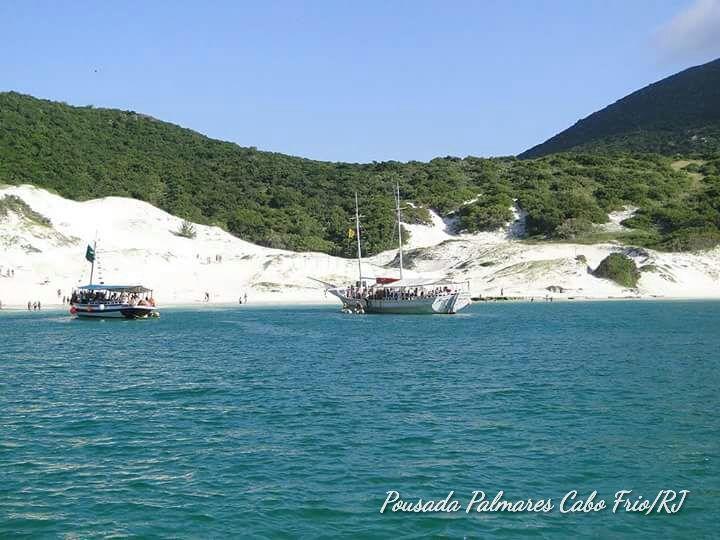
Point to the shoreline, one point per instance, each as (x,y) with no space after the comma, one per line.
(200,306)
(139,247)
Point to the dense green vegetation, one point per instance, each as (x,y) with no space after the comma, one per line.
(288,202)
(268,198)
(11,203)
(619,268)
(679,115)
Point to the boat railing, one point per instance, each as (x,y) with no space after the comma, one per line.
(396,293)
(113,302)
(104,302)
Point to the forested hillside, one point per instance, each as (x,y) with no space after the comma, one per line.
(288,202)
(679,115)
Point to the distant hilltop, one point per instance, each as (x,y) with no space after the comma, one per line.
(679,115)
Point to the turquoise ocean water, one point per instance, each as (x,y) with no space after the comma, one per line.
(295,422)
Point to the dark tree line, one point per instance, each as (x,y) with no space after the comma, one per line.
(288,202)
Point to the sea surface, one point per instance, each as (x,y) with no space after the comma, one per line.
(296,422)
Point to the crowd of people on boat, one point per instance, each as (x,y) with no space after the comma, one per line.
(396,293)
(109,297)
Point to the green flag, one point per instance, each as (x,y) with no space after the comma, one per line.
(90,254)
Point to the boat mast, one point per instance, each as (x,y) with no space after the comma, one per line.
(92,263)
(357,235)
(397,207)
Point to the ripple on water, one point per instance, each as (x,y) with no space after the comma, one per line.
(274,422)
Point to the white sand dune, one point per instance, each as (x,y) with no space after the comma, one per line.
(137,244)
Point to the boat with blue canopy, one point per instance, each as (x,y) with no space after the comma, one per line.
(113,301)
(101,301)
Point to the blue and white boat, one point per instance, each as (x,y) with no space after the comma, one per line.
(113,302)
(100,301)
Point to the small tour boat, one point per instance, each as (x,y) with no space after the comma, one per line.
(100,301)
(398,295)
(113,301)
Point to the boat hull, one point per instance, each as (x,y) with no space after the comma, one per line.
(443,304)
(112,311)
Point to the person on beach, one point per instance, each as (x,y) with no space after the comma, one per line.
(28,305)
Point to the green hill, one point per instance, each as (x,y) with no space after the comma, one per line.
(679,115)
(289,202)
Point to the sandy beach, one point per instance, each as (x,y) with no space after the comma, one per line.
(137,243)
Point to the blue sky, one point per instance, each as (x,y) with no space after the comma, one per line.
(355,81)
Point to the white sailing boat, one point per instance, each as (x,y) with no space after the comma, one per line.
(398,295)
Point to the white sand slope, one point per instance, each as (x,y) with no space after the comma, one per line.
(137,244)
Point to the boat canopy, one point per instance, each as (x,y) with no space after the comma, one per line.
(116,288)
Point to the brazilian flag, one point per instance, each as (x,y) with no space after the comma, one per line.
(90,254)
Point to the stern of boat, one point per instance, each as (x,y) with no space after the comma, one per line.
(458,301)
